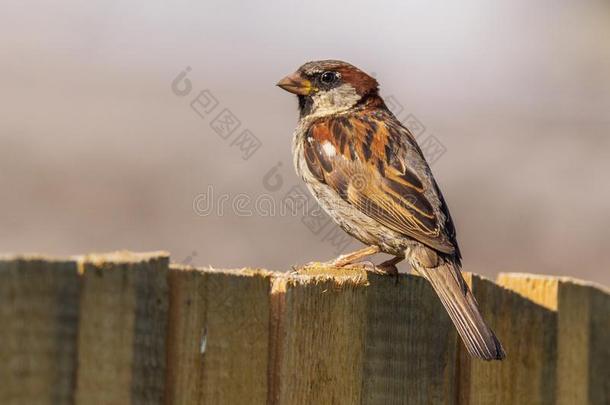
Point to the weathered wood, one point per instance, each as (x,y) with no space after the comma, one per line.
(411,344)
(218,339)
(124,328)
(123,321)
(583,333)
(352,337)
(38,328)
(187,304)
(322,351)
(528,332)
(277,333)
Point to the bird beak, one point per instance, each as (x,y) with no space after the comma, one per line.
(295,84)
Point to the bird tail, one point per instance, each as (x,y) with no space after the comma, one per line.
(447,281)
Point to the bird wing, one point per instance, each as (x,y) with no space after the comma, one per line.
(371,161)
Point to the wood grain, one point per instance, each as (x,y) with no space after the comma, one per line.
(323,346)
(583,333)
(123,321)
(528,332)
(38,328)
(411,344)
(186,331)
(125,328)
(352,337)
(218,336)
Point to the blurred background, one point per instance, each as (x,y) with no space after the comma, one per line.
(104,147)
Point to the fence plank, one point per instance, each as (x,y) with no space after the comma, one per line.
(38,328)
(354,337)
(411,344)
(133,331)
(322,349)
(123,320)
(583,333)
(528,332)
(218,336)
(185,335)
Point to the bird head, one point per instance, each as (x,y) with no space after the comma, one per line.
(328,87)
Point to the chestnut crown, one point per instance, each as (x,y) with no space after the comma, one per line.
(328,86)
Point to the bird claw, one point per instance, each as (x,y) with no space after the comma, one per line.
(385,269)
(388,270)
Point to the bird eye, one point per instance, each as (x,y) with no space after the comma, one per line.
(328,77)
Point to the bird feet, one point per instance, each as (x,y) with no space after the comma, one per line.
(351,258)
(389,267)
(346,261)
(351,261)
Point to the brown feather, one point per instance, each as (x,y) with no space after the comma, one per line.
(456,297)
(395,198)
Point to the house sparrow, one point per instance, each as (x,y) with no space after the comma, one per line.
(368,173)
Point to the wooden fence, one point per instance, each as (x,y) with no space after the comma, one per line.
(129,328)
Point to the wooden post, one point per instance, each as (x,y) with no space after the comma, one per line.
(411,344)
(38,328)
(322,350)
(218,337)
(528,332)
(348,336)
(583,333)
(123,320)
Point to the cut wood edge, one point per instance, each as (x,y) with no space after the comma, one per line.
(563,279)
(243,271)
(543,289)
(122,256)
(38,257)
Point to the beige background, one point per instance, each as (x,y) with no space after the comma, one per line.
(97,153)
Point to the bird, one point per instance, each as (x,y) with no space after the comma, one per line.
(366,170)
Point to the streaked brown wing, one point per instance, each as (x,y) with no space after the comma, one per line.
(363,158)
